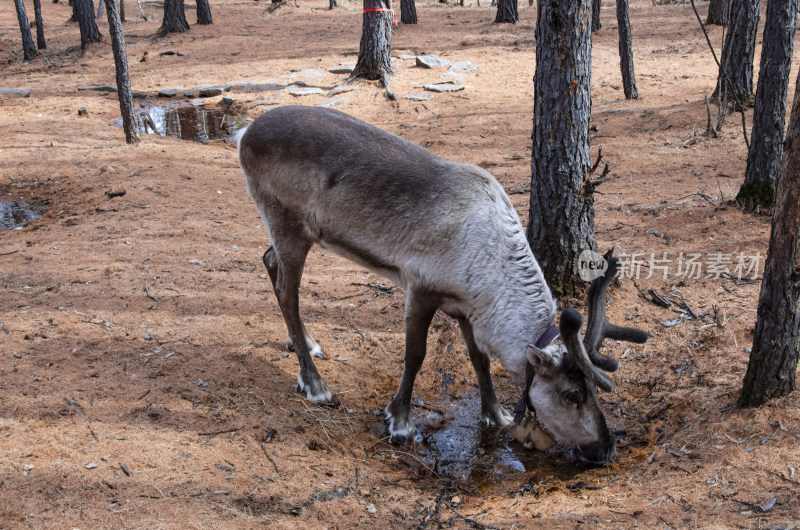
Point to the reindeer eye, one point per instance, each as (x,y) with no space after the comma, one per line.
(572,397)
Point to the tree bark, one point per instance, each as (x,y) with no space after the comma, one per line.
(123,79)
(122,10)
(408,12)
(769,115)
(174,20)
(507,12)
(37,11)
(203,12)
(376,44)
(561,222)
(28,48)
(332,4)
(772,369)
(84,12)
(717,13)
(626,51)
(738,52)
(596,25)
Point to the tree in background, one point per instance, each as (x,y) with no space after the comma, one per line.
(174,20)
(203,12)
(626,51)
(507,12)
(123,79)
(84,14)
(735,80)
(769,115)
(37,11)
(717,13)
(561,222)
(772,369)
(376,44)
(28,48)
(408,12)
(596,25)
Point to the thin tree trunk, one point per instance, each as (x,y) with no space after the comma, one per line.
(123,79)
(769,115)
(37,11)
(717,13)
(408,12)
(772,369)
(507,12)
(174,20)
(596,25)
(28,48)
(203,12)
(121,10)
(100,6)
(738,52)
(84,12)
(626,51)
(561,222)
(332,4)
(376,44)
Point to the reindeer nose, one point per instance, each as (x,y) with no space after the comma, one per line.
(597,453)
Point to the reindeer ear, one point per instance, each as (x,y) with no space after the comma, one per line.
(544,362)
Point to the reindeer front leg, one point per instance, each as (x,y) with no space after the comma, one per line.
(420,308)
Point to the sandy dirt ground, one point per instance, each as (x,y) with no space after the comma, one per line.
(144,375)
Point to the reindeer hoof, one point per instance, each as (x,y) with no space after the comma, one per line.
(316,393)
(499,417)
(400,432)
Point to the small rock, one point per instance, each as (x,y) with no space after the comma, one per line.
(419,96)
(464,66)
(431,61)
(456,500)
(305,91)
(168,92)
(341,69)
(138,95)
(371,508)
(91,465)
(82,112)
(454,78)
(209,92)
(100,88)
(332,102)
(228,100)
(443,87)
(195,262)
(168,52)
(341,89)
(14,92)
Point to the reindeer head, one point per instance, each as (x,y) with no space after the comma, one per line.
(566,376)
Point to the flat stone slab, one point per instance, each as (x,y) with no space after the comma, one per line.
(431,61)
(14,92)
(205,91)
(306,91)
(454,78)
(444,87)
(341,89)
(99,88)
(464,66)
(168,92)
(342,69)
(328,103)
(419,96)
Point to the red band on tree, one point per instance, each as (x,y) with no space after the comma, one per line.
(373,9)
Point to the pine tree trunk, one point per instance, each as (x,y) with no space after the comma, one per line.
(332,4)
(717,13)
(123,79)
(376,43)
(408,12)
(507,12)
(37,10)
(738,52)
(84,12)
(772,370)
(626,51)
(28,48)
(203,12)
(561,222)
(121,10)
(174,20)
(596,25)
(766,146)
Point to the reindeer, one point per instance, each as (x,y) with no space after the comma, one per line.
(448,235)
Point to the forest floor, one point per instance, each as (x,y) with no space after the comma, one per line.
(144,375)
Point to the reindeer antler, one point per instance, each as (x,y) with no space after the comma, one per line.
(598,328)
(570,325)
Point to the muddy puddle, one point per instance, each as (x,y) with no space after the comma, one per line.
(14,215)
(487,460)
(196,124)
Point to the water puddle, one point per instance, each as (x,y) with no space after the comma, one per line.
(487,459)
(196,124)
(13,215)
